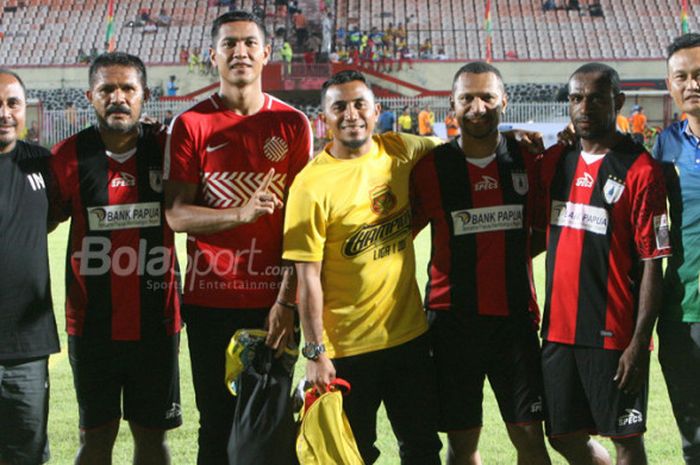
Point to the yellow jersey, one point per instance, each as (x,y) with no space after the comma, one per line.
(354,217)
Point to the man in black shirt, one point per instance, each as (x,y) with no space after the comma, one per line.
(27,325)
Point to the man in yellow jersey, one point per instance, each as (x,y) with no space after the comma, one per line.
(348,230)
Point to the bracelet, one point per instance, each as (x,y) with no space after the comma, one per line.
(287,305)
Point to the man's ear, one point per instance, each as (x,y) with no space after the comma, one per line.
(619,101)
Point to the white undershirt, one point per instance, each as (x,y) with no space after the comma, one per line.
(482,162)
(590,158)
(121,157)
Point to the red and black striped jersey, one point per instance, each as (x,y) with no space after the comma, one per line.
(480,262)
(602,219)
(121,268)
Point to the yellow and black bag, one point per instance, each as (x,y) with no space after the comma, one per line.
(325,437)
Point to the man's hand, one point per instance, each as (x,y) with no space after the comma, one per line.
(632,369)
(280,328)
(320,373)
(262,202)
(567,136)
(530,140)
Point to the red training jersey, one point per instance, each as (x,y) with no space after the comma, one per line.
(227,156)
(602,218)
(480,222)
(121,268)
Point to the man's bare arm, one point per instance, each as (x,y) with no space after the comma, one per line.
(184,215)
(634,363)
(319,372)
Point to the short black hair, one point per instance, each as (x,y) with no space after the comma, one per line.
(235,16)
(9,72)
(689,40)
(117,59)
(478,67)
(608,73)
(342,77)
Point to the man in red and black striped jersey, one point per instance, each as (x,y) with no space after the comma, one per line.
(122,293)
(229,161)
(605,216)
(474,192)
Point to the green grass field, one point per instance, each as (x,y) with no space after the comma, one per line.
(663,444)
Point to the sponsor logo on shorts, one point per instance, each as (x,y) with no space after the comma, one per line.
(125,216)
(536,407)
(585,181)
(173,412)
(613,189)
(633,416)
(123,179)
(661,231)
(477,220)
(487,183)
(579,216)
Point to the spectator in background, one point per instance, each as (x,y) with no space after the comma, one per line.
(441,55)
(33,133)
(293,6)
(150,28)
(258,10)
(71,115)
(194,61)
(405,121)
(287,54)
(451,125)
(638,123)
(386,121)
(405,56)
(340,36)
(163,19)
(171,90)
(184,55)
(168,117)
(327,33)
(426,50)
(299,21)
(623,124)
(320,131)
(309,59)
(145,15)
(426,119)
(82,57)
(354,38)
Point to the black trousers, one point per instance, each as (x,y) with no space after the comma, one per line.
(403,377)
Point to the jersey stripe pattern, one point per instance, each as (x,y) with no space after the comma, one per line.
(603,219)
(479,219)
(121,269)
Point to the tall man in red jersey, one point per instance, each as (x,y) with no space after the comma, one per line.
(474,191)
(606,232)
(229,162)
(122,294)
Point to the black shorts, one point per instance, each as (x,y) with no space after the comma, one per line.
(580,394)
(466,351)
(145,372)
(24,408)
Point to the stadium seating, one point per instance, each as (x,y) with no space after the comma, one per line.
(523,31)
(50,32)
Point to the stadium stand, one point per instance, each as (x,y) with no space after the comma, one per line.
(51,32)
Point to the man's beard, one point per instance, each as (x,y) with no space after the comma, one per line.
(354,144)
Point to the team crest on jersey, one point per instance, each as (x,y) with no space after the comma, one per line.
(382,199)
(275,149)
(155,180)
(487,183)
(613,189)
(520,184)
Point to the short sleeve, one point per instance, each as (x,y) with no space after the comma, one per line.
(181,162)
(649,216)
(302,150)
(304,226)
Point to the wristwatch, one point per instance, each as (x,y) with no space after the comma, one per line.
(312,350)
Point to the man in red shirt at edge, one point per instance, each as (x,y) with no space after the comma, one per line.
(607,228)
(229,161)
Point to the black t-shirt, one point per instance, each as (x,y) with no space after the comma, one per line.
(27,324)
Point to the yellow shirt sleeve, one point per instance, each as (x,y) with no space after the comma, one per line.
(304,225)
(412,147)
